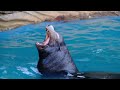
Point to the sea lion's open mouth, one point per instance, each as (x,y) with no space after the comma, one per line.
(51,35)
(46,41)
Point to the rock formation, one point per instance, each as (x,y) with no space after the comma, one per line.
(13,19)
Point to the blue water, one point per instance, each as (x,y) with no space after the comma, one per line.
(94,45)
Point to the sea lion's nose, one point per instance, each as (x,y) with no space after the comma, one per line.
(47,26)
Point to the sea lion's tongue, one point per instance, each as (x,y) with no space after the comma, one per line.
(38,43)
(46,41)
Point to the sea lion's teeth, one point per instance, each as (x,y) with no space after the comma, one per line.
(38,43)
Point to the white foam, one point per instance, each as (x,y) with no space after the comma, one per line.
(81,76)
(35,70)
(24,70)
(98,50)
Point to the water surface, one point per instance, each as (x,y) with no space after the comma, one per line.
(94,45)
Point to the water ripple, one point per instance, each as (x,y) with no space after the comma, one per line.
(93,44)
(24,70)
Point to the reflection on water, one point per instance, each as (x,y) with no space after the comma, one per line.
(93,44)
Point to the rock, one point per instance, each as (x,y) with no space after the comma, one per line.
(7,12)
(13,19)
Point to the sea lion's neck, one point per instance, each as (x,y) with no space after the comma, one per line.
(43,54)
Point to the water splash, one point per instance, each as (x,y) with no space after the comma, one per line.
(24,70)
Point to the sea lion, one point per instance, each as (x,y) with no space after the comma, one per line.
(54,56)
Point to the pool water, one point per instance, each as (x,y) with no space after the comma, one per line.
(94,45)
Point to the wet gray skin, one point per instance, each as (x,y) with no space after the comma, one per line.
(54,56)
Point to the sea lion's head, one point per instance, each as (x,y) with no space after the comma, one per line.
(54,56)
(52,39)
